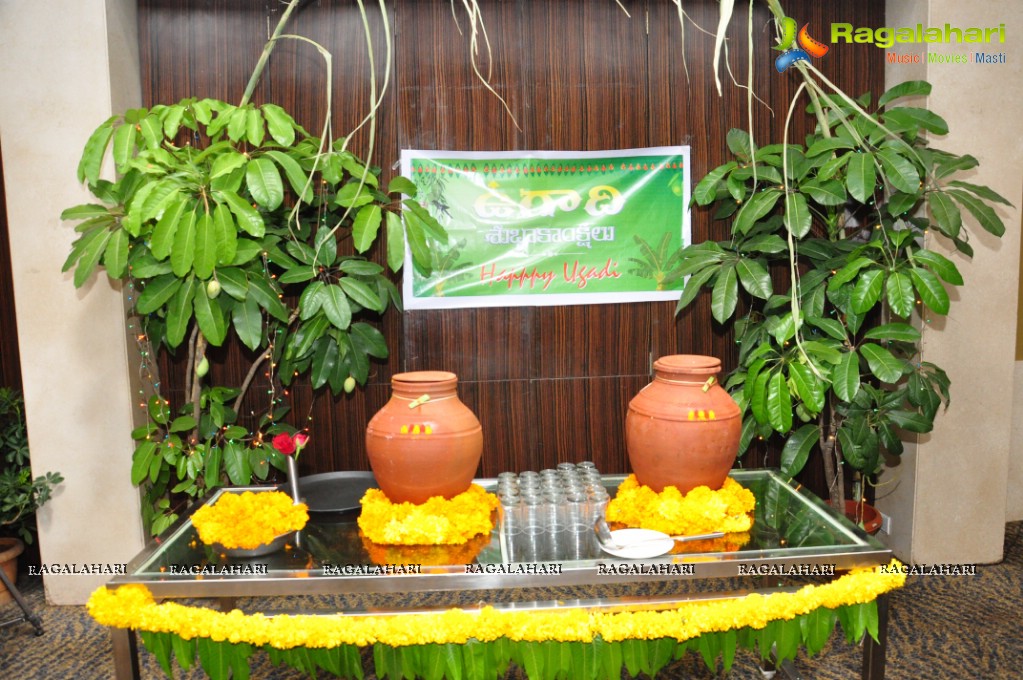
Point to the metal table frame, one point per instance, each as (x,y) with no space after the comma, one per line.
(833,540)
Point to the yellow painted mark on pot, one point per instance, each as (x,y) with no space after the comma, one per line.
(701,414)
(416,428)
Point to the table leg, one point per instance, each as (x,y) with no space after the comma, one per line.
(874,652)
(126,654)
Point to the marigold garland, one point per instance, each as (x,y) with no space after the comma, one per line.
(249,519)
(132,606)
(438,521)
(700,511)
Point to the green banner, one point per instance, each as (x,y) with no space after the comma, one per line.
(550,228)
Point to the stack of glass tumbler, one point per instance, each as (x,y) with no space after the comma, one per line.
(548,516)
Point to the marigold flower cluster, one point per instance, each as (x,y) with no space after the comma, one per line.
(701,511)
(249,519)
(438,521)
(425,555)
(132,606)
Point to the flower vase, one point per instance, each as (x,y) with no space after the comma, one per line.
(293,479)
(424,442)
(683,428)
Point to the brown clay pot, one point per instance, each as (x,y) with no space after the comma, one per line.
(866,514)
(10,548)
(683,429)
(424,442)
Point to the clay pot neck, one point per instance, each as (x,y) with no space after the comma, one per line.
(690,369)
(414,385)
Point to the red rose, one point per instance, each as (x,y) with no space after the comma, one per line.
(284,443)
(300,439)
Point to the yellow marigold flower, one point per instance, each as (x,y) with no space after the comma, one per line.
(250,519)
(438,521)
(700,511)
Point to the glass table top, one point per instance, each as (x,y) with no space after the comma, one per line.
(793,532)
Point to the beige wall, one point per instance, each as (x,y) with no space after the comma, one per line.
(948,497)
(62,72)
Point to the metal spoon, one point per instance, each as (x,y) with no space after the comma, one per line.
(606,540)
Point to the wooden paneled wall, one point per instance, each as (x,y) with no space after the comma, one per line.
(552,383)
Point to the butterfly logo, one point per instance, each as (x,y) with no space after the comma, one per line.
(790,52)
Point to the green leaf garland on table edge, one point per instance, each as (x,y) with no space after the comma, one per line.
(481,643)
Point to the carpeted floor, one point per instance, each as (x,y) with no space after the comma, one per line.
(940,627)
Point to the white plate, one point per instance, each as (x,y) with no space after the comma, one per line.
(638,544)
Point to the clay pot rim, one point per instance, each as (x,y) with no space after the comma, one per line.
(694,364)
(419,377)
(10,548)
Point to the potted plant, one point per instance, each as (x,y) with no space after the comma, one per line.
(828,361)
(20,494)
(231,223)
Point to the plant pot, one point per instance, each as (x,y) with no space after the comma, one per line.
(424,442)
(865,514)
(10,548)
(683,429)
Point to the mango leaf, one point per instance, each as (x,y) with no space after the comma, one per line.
(124,147)
(249,219)
(297,177)
(758,205)
(908,116)
(827,192)
(939,264)
(264,183)
(909,88)
(335,305)
(162,240)
(900,203)
(236,463)
(932,293)
(395,242)
(829,144)
(183,251)
(911,421)
(845,376)
(981,211)
(705,191)
(206,254)
(361,293)
(867,291)
(369,340)
(797,449)
(861,177)
(833,328)
(808,387)
(234,282)
(882,363)
(91,254)
(156,293)
(724,294)
(779,403)
(280,125)
(179,312)
(902,332)
(945,213)
(248,323)
(900,294)
(739,143)
(226,163)
(115,255)
(267,298)
(754,277)
(982,191)
(798,219)
(210,317)
(141,461)
(899,172)
(94,151)
(365,227)
(693,286)
(404,185)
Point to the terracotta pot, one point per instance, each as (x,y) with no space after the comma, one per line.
(683,429)
(10,548)
(424,442)
(865,514)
